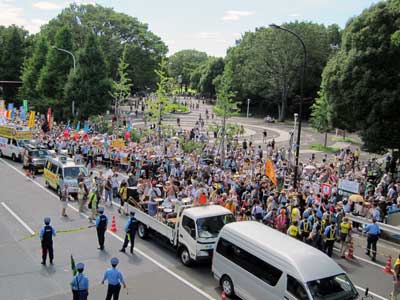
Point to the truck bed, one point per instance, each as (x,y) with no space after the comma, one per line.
(154,224)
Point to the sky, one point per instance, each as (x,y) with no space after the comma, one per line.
(211,26)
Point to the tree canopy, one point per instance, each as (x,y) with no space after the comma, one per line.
(361,82)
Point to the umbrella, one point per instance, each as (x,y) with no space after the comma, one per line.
(310,167)
(356,198)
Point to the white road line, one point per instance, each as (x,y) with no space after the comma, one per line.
(18,218)
(161,266)
(363,259)
(370,293)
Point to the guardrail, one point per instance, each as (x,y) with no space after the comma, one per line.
(392,230)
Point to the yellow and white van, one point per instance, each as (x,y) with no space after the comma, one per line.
(61,170)
(12,141)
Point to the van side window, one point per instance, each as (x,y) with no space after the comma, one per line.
(249,262)
(53,169)
(188,225)
(295,288)
(14,142)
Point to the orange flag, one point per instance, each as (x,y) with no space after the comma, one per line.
(270,171)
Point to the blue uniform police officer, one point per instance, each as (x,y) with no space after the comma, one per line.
(114,279)
(130,229)
(80,284)
(101,227)
(46,235)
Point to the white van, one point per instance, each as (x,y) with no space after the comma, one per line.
(255,262)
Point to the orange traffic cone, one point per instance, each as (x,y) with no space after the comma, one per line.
(113,225)
(350,252)
(388,268)
(223,296)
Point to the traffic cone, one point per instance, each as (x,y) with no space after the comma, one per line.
(350,252)
(223,296)
(388,268)
(113,225)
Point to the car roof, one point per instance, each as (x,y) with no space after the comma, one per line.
(205,211)
(309,262)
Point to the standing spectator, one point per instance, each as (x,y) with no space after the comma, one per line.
(373,232)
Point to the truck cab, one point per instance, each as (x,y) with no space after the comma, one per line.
(193,231)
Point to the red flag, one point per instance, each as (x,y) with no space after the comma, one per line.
(49,115)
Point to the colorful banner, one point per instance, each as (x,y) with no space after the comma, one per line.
(22,114)
(31,122)
(48,116)
(78,126)
(25,104)
(118,143)
(86,127)
(270,171)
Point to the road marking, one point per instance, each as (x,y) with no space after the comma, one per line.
(18,218)
(184,281)
(363,259)
(370,293)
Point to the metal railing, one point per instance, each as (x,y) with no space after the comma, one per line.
(392,230)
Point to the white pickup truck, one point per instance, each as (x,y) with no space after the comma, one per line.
(193,232)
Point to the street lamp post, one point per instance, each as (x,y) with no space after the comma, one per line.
(74,61)
(248,105)
(302,78)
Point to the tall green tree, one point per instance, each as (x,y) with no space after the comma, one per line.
(121,88)
(321,116)
(225,107)
(89,86)
(54,75)
(212,68)
(31,70)
(184,62)
(361,82)
(13,41)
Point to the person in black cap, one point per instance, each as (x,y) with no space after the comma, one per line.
(130,229)
(101,227)
(80,284)
(46,237)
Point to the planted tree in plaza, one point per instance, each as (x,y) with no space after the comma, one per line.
(321,116)
(89,86)
(361,82)
(121,88)
(159,104)
(224,108)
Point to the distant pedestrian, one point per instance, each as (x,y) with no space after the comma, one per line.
(373,231)
(114,279)
(101,227)
(264,136)
(345,236)
(80,284)
(64,197)
(46,235)
(81,195)
(92,203)
(130,229)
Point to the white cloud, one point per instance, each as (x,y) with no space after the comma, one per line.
(44,5)
(235,15)
(208,35)
(11,14)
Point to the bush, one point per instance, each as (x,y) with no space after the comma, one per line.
(190,146)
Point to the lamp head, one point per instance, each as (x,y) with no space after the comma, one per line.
(274,26)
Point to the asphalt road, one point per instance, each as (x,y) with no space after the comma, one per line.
(153,272)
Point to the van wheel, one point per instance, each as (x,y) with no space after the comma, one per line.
(13,157)
(142,231)
(185,257)
(58,191)
(1,154)
(46,184)
(227,286)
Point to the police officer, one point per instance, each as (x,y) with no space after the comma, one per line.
(80,284)
(130,229)
(46,237)
(305,228)
(330,237)
(115,279)
(373,232)
(101,227)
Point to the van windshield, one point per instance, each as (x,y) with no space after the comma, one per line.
(337,287)
(73,172)
(211,226)
(39,154)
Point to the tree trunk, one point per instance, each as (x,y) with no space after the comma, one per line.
(283,105)
(223,141)
(326,139)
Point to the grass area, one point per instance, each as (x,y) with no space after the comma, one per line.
(320,147)
(346,140)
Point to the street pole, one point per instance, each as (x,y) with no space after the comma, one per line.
(248,104)
(74,61)
(302,78)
